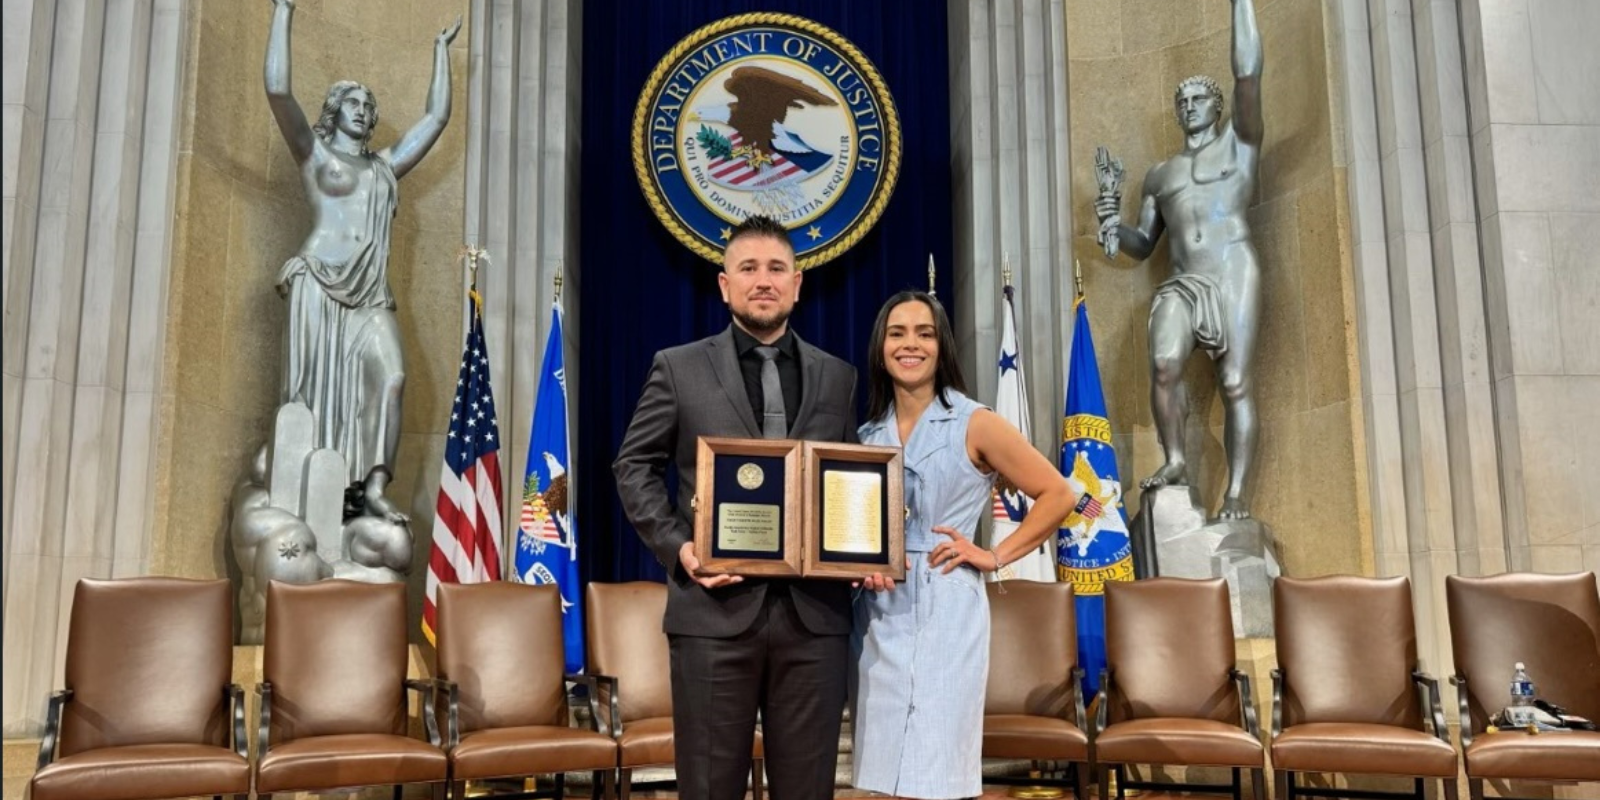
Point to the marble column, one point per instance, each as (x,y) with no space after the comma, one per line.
(1469,368)
(92,94)
(1011,187)
(523,115)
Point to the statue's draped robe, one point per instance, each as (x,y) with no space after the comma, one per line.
(343,341)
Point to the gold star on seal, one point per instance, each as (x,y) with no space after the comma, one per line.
(726,232)
(814,232)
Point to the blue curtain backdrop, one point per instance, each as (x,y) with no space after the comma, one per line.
(643,291)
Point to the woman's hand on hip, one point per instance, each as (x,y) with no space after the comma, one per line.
(959,550)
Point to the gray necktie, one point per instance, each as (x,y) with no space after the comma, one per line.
(774,420)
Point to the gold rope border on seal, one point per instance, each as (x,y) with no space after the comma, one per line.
(652,87)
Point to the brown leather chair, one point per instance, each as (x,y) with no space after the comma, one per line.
(1032,708)
(1348,694)
(333,705)
(1171,693)
(1551,623)
(628,655)
(500,666)
(148,711)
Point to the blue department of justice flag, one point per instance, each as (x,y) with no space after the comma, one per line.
(547,537)
(1010,504)
(1093,545)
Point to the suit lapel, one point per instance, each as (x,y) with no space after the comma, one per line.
(810,384)
(725,362)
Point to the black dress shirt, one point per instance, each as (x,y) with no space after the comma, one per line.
(788,372)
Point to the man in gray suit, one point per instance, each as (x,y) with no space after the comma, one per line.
(738,646)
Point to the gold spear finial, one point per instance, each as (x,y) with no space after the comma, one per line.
(1077,275)
(931,273)
(473,254)
(1005,270)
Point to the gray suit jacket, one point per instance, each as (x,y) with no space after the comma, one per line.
(697,390)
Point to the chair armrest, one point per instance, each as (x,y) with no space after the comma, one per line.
(452,702)
(1102,699)
(1460,682)
(52,727)
(592,690)
(1277,701)
(1247,701)
(264,730)
(1078,715)
(1435,708)
(614,709)
(234,693)
(429,711)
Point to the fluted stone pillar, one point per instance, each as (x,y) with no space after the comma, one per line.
(523,115)
(1012,192)
(1479,385)
(92,92)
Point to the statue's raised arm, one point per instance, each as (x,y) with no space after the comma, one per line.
(280,96)
(1247,120)
(420,138)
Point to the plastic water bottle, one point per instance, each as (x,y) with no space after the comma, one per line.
(1521,712)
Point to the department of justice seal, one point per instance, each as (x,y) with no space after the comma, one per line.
(751,476)
(767,114)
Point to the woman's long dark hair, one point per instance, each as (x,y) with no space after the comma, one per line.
(947,373)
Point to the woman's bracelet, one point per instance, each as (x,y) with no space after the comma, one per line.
(998,565)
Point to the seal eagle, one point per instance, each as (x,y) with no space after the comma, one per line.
(763,99)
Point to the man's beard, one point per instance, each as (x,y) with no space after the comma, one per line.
(759,326)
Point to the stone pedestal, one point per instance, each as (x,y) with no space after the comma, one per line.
(1172,538)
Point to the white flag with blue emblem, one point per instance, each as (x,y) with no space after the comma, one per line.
(1010,504)
(547,536)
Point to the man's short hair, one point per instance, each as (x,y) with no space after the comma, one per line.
(1205,82)
(761,225)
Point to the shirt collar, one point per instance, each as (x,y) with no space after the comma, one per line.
(743,342)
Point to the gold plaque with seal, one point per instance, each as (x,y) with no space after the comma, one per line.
(747,510)
(783,508)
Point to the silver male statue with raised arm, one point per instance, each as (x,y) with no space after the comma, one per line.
(1212,302)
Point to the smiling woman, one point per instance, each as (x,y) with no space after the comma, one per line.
(343,356)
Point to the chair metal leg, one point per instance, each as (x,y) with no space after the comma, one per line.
(1104,777)
(399,792)
(758,774)
(626,779)
(1451,791)
(1280,783)
(441,790)
(610,779)
(1080,781)
(1475,788)
(561,785)
(1238,786)
(1257,784)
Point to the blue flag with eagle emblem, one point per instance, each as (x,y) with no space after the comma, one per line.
(1093,545)
(547,537)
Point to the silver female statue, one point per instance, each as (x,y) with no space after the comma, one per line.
(343,356)
(1212,302)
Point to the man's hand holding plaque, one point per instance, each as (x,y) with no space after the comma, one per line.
(785,508)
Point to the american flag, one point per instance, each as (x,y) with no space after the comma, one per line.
(466,521)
